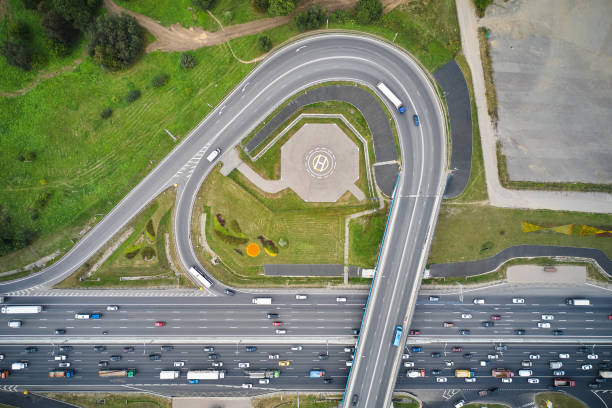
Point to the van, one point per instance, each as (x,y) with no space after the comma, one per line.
(213,155)
(14,323)
(81,316)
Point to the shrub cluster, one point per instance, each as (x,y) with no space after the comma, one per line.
(310,19)
(188,61)
(281,7)
(116,41)
(132,95)
(160,80)
(264,43)
(106,113)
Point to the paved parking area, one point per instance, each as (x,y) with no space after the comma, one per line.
(536,273)
(552,62)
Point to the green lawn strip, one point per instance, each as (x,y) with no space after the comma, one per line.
(405,401)
(466,232)
(94,400)
(15,276)
(85,163)
(360,281)
(365,236)
(289,400)
(558,399)
(498,275)
(13,78)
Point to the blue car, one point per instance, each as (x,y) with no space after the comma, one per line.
(96,316)
(415,118)
(417,349)
(194,381)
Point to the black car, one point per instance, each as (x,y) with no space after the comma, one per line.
(60,331)
(604,365)
(323,356)
(212,356)
(502,347)
(557,332)
(167,348)
(272,315)
(103,364)
(435,354)
(128,349)
(436,372)
(594,385)
(209,349)
(467,355)
(154,356)
(519,332)
(99,348)
(600,380)
(250,348)
(229,292)
(115,358)
(355,331)
(354,400)
(31,349)
(328,380)
(488,324)
(65,348)
(464,332)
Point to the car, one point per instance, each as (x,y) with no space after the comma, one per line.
(564,355)
(217,364)
(484,363)
(250,349)
(405,356)
(610,317)
(273,356)
(441,379)
(209,349)
(167,348)
(196,381)
(492,356)
(415,119)
(154,356)
(31,349)
(501,347)
(96,316)
(434,298)
(327,380)
(349,363)
(526,363)
(557,332)
(466,316)
(488,324)
(559,372)
(506,380)
(297,348)
(301,297)
(103,363)
(600,380)
(105,332)
(594,385)
(459,403)
(435,354)
(229,292)
(414,332)
(60,331)
(533,380)
(272,315)
(449,363)
(470,380)
(355,331)
(604,365)
(457,349)
(213,155)
(213,356)
(65,348)
(349,349)
(99,348)
(341,299)
(243,365)
(544,325)
(355,399)
(159,324)
(478,301)
(548,317)
(468,355)
(436,372)
(281,331)
(586,367)
(64,364)
(264,381)
(115,358)
(448,324)
(519,332)
(518,300)
(408,364)
(495,317)
(464,332)
(247,385)
(323,356)
(534,356)
(179,364)
(592,356)
(112,308)
(128,349)
(284,363)
(277,324)
(416,349)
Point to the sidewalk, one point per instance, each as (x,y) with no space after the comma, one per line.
(498,195)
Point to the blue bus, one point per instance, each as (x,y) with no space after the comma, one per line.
(398,336)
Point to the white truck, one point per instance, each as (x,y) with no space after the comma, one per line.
(169,375)
(21,309)
(205,374)
(578,302)
(391,96)
(262,301)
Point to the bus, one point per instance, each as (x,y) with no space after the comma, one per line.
(200,277)
(605,374)
(465,373)
(317,373)
(398,336)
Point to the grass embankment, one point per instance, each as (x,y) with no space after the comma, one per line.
(111,400)
(365,236)
(290,401)
(183,12)
(487,69)
(558,399)
(405,401)
(141,255)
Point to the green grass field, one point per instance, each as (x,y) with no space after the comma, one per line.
(558,399)
(290,401)
(106,400)
(365,238)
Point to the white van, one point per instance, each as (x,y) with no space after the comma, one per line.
(60,357)
(301,297)
(15,323)
(20,365)
(81,316)
(213,155)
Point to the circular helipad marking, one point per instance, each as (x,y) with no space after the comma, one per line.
(320,162)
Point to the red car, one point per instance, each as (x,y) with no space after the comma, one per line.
(609,317)
(448,324)
(414,332)
(495,317)
(457,349)
(159,324)
(277,324)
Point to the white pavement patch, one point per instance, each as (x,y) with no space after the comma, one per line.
(536,274)
(208,402)
(189,167)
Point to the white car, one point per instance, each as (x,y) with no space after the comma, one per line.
(533,380)
(281,331)
(534,356)
(559,372)
(548,317)
(544,325)
(408,364)
(592,356)
(264,381)
(247,385)
(60,357)
(466,316)
(492,356)
(564,355)
(273,356)
(297,348)
(1,356)
(64,364)
(506,380)
(526,363)
(301,297)
(243,365)
(349,363)
(348,350)
(112,308)
(179,363)
(449,363)
(470,380)
(341,299)
(217,363)
(586,367)
(518,300)
(479,301)
(441,379)
(405,356)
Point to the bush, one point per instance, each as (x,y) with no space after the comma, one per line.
(106,113)
(30,4)
(148,253)
(17,54)
(264,43)
(234,226)
(228,16)
(188,61)
(13,236)
(230,239)
(19,31)
(338,16)
(204,4)
(27,156)
(261,5)
(481,6)
(151,228)
(159,80)
(132,95)
(57,28)
(310,19)
(79,13)
(281,7)
(116,41)
(132,254)
(368,11)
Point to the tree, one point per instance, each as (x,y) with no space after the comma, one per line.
(116,41)
(481,6)
(188,61)
(204,4)
(58,28)
(159,80)
(261,5)
(368,11)
(310,19)
(17,54)
(79,12)
(30,4)
(264,43)
(19,31)
(281,7)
